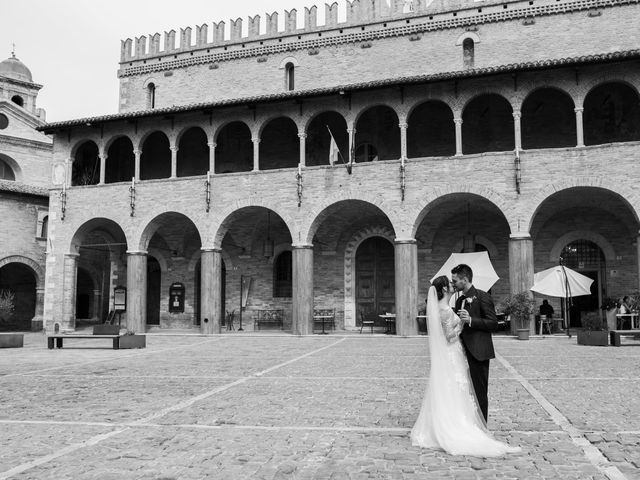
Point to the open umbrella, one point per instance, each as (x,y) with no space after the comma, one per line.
(484,275)
(560,281)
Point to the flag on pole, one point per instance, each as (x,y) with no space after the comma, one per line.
(333,150)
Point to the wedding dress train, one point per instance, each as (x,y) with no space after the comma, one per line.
(450,418)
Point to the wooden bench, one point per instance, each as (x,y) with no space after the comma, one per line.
(58,338)
(614,336)
(270,317)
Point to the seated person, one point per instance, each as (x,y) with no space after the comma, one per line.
(625,306)
(546,309)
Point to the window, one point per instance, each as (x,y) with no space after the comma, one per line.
(289,70)
(468,53)
(282,275)
(151,95)
(6,173)
(44,229)
(4,121)
(18,100)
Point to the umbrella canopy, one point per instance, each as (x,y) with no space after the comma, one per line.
(552,282)
(484,275)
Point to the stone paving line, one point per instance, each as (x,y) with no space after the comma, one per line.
(592,453)
(142,422)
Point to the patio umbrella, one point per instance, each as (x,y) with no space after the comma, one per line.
(560,281)
(484,275)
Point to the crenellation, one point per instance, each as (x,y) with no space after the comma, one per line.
(125,49)
(254,26)
(169,41)
(310,18)
(141,46)
(185,38)
(272,24)
(353,11)
(236,29)
(290,20)
(201,35)
(218,32)
(154,44)
(331,15)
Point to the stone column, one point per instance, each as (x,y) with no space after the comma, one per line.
(521,268)
(579,127)
(403,139)
(406,267)
(137,291)
(517,130)
(352,140)
(137,154)
(210,285)
(174,161)
(256,153)
(303,148)
(458,122)
(212,157)
(37,321)
(302,319)
(69,291)
(97,304)
(103,168)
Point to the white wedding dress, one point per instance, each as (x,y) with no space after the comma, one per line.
(450,418)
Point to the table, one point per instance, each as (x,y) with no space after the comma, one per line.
(390,319)
(426,329)
(633,317)
(323,318)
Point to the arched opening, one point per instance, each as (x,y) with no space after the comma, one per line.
(468,53)
(121,162)
(18,100)
(86,165)
(487,125)
(151,95)
(594,231)
(611,114)
(377,128)
(548,120)
(84,296)
(283,275)
(375,279)
(318,143)
(6,172)
(102,246)
(17,296)
(177,239)
(234,149)
(279,145)
(254,237)
(193,153)
(431,131)
(44,228)
(154,284)
(155,160)
(289,76)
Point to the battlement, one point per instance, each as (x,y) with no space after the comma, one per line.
(353,13)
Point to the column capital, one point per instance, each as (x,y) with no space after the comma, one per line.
(137,152)
(457,121)
(351,131)
(403,125)
(75,256)
(174,148)
(517,115)
(405,241)
(137,253)
(255,139)
(212,144)
(520,236)
(214,250)
(578,109)
(302,246)
(302,136)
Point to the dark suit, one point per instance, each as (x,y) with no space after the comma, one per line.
(477,342)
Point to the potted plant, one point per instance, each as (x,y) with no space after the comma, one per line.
(132,340)
(519,307)
(594,331)
(7,304)
(610,308)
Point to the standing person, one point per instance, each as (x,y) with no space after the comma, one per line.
(475,309)
(450,418)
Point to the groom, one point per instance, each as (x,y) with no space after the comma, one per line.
(475,309)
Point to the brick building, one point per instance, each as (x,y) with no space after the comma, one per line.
(510,127)
(25,156)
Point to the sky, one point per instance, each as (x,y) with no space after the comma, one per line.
(72,47)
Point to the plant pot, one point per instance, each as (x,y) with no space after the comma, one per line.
(523,334)
(106,329)
(133,341)
(612,320)
(593,338)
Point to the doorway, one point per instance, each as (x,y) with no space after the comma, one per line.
(375,280)
(154,280)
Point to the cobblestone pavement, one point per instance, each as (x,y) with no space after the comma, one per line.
(323,407)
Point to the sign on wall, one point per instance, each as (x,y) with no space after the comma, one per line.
(176,298)
(120,298)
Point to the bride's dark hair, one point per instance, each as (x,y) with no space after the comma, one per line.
(440,284)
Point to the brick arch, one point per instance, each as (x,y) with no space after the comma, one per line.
(421,101)
(317,215)
(310,118)
(218,229)
(626,79)
(76,146)
(533,88)
(38,271)
(148,226)
(351,248)
(221,126)
(89,224)
(107,144)
(502,204)
(625,193)
(370,106)
(15,166)
(604,244)
(147,133)
(183,130)
(263,123)
(463,103)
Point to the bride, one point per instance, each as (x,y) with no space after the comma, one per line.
(450,418)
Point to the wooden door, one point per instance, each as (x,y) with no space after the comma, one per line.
(375,279)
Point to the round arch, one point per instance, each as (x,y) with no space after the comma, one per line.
(158,220)
(234,147)
(229,216)
(108,225)
(13,165)
(611,113)
(38,271)
(431,130)
(599,240)
(487,124)
(377,134)
(548,119)
(319,129)
(279,143)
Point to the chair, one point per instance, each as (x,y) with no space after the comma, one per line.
(329,314)
(230,317)
(364,322)
(546,321)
